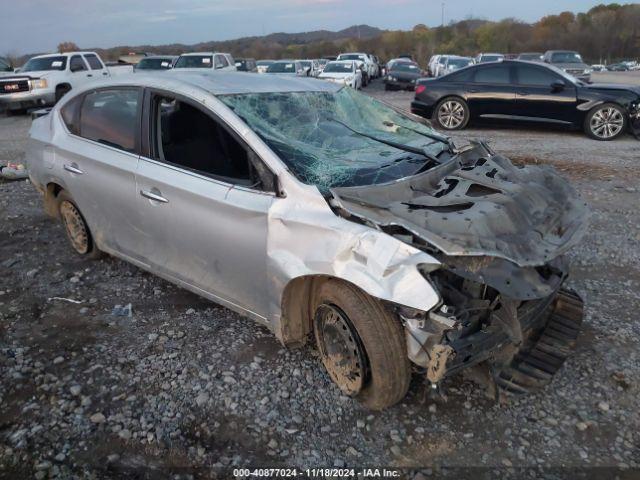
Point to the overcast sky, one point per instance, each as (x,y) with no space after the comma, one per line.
(39,25)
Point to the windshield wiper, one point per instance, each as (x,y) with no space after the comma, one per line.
(399,146)
(435,138)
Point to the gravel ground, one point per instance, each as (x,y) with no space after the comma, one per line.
(185,387)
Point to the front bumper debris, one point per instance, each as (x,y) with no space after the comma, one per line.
(522,346)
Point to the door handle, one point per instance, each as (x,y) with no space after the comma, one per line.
(473,90)
(89,75)
(153,196)
(523,94)
(73,168)
(105,73)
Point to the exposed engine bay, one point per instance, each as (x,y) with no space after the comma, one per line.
(500,233)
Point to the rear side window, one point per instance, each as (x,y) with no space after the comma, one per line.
(493,74)
(77,64)
(94,62)
(71,114)
(461,76)
(110,117)
(529,75)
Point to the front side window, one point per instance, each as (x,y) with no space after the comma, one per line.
(494,74)
(43,64)
(194,61)
(331,139)
(77,64)
(110,117)
(94,62)
(188,137)
(528,75)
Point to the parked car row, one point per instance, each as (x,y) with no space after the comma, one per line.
(567,60)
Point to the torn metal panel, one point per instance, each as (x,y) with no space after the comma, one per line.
(478,204)
(307,238)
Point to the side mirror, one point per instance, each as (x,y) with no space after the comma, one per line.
(16,70)
(75,68)
(558,85)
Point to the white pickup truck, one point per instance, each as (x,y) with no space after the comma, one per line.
(44,79)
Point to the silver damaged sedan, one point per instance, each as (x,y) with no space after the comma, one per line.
(327,216)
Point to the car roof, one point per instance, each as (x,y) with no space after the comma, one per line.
(202,53)
(65,54)
(222,82)
(153,57)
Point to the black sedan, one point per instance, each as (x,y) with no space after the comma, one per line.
(531,92)
(402,76)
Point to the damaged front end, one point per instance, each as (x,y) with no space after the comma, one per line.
(500,233)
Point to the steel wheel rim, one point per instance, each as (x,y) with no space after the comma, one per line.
(340,348)
(451,114)
(607,122)
(75,227)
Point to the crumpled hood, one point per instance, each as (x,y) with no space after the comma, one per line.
(477,204)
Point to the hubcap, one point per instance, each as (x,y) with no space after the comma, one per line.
(74,225)
(607,122)
(451,114)
(340,348)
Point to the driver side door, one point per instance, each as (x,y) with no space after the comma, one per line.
(203,204)
(537,99)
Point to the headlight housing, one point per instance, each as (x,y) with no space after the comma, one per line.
(588,70)
(39,83)
(391,79)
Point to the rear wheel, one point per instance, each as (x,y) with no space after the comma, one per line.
(452,113)
(605,122)
(76,227)
(362,345)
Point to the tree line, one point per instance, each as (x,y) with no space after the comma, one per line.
(604,34)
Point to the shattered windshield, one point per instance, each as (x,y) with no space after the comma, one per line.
(332,139)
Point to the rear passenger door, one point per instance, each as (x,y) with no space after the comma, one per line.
(492,91)
(80,72)
(203,206)
(97,159)
(98,70)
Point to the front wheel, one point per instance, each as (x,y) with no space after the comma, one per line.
(605,122)
(452,113)
(362,345)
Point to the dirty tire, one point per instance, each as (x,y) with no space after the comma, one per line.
(452,113)
(76,227)
(61,91)
(381,337)
(605,122)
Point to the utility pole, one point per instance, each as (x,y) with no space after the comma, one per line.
(443,14)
